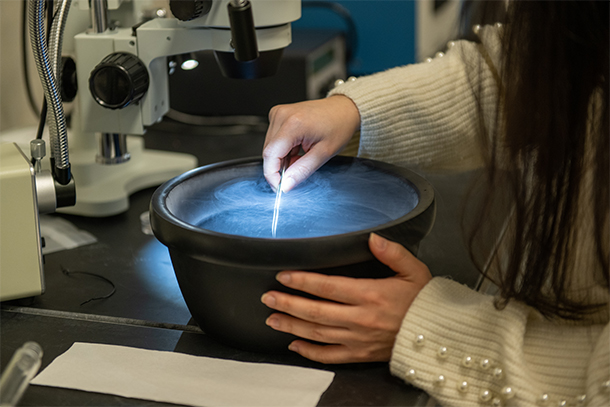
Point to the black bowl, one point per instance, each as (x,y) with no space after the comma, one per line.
(222,276)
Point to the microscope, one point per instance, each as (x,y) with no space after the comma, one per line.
(121,73)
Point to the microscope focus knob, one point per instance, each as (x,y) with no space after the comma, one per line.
(186,10)
(119,80)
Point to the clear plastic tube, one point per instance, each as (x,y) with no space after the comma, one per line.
(18,373)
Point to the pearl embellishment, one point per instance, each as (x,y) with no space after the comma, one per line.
(544,399)
(440,380)
(580,400)
(463,386)
(420,340)
(439,55)
(467,361)
(442,352)
(411,374)
(428,59)
(485,364)
(476,29)
(507,392)
(496,402)
(485,395)
(606,386)
(562,403)
(498,373)
(340,82)
(450,44)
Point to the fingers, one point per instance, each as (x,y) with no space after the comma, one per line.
(300,167)
(333,344)
(321,312)
(283,139)
(273,155)
(329,354)
(308,330)
(335,288)
(304,166)
(399,259)
(334,354)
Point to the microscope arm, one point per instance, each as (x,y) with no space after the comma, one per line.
(152,42)
(160,38)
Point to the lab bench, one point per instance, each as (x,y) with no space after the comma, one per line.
(147,310)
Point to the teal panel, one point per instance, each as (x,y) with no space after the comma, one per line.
(385,31)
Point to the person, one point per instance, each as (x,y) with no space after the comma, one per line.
(528,101)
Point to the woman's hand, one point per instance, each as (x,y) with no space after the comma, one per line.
(321,127)
(362,317)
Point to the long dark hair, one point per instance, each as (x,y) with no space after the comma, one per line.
(553,127)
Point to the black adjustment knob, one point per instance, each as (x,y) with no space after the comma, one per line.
(69,85)
(187,10)
(119,80)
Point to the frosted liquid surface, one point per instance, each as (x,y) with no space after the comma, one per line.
(332,201)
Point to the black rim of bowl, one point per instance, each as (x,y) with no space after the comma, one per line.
(276,253)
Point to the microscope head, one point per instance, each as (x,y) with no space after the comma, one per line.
(254,54)
(247,37)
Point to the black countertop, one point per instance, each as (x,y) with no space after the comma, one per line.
(147,309)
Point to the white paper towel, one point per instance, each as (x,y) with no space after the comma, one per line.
(60,234)
(183,379)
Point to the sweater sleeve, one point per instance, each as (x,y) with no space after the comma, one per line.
(458,347)
(426,115)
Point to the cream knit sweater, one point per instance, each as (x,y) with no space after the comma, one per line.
(453,343)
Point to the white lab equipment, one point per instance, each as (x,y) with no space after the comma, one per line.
(121,69)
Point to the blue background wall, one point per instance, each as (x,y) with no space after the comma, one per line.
(386,31)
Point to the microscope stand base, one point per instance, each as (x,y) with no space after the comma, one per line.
(104,190)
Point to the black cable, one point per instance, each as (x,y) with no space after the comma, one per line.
(43,119)
(103,297)
(343,12)
(50,17)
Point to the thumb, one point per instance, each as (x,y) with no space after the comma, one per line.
(399,259)
(303,167)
